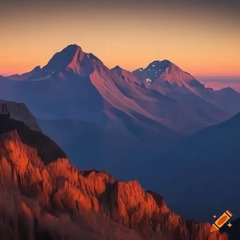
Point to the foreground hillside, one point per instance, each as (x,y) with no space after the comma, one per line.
(44,198)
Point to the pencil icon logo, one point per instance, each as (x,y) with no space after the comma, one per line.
(221,221)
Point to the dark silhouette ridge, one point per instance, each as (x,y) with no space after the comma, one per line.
(71,55)
(61,59)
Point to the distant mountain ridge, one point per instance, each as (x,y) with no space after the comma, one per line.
(169,79)
(152,108)
(86,89)
(164,71)
(204,171)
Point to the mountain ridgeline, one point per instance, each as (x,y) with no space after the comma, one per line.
(77,85)
(50,199)
(152,124)
(202,171)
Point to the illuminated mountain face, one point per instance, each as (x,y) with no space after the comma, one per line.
(43,198)
(78,85)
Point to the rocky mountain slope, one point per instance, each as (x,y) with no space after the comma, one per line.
(44,198)
(77,85)
(168,79)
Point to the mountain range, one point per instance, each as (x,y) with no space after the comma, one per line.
(77,85)
(140,125)
(44,197)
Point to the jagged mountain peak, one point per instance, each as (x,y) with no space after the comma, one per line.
(118,70)
(117,67)
(162,64)
(72,58)
(63,58)
(165,71)
(153,70)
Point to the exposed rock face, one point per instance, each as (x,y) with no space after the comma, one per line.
(164,71)
(45,147)
(20,112)
(51,199)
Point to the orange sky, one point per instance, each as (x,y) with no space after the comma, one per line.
(200,41)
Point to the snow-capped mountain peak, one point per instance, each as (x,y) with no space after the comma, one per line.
(153,70)
(163,71)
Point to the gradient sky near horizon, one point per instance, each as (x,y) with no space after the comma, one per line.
(200,36)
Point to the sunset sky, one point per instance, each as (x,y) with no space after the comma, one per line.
(200,36)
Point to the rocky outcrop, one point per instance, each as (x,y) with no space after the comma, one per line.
(51,199)
(20,112)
